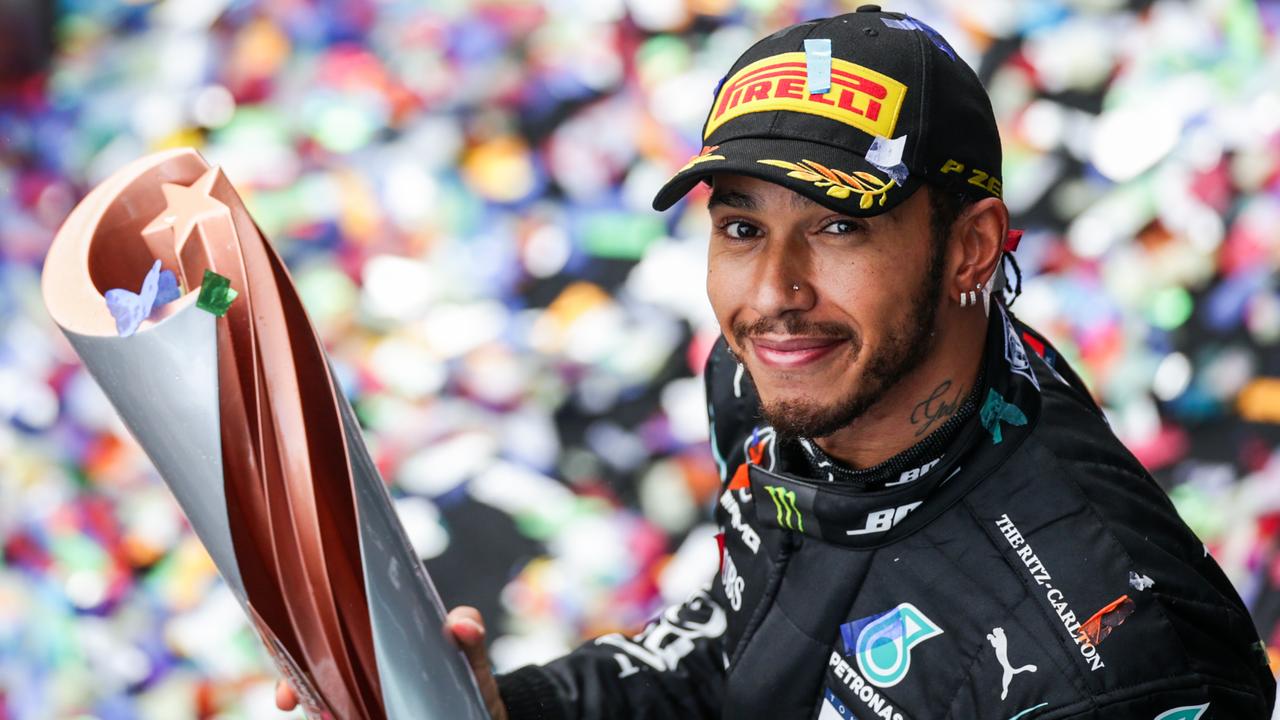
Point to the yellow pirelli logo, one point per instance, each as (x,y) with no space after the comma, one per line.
(859,96)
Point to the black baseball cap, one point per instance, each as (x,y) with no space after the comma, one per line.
(901,109)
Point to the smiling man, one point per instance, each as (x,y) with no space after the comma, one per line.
(924,515)
(845,352)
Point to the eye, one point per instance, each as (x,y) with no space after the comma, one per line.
(843,226)
(740,230)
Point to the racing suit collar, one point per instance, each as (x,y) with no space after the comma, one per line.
(904,467)
(790,497)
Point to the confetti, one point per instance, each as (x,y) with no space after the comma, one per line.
(1140,582)
(910,23)
(130,309)
(995,411)
(216,294)
(886,155)
(817,58)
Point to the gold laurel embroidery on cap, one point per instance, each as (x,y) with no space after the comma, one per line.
(839,184)
(702,157)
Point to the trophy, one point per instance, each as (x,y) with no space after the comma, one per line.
(187,319)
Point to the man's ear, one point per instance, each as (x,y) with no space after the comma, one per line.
(977,239)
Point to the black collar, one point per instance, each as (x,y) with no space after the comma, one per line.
(789,496)
(911,464)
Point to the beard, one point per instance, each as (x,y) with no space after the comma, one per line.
(909,342)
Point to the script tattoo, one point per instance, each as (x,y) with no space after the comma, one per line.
(935,407)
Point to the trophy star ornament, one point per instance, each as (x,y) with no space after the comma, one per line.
(187,209)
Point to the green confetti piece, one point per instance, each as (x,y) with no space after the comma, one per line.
(620,236)
(215,294)
(663,56)
(1170,308)
(343,125)
(995,411)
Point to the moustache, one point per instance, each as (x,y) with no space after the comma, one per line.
(795,325)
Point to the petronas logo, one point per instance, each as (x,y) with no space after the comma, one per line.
(882,644)
(1186,712)
(785,501)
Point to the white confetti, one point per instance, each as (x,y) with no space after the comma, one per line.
(1140,582)
(886,155)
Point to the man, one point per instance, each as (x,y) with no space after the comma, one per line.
(924,514)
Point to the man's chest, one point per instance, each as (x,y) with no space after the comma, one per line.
(904,631)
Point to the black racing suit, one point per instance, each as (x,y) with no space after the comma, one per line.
(1034,570)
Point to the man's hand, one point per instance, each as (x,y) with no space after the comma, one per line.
(468,629)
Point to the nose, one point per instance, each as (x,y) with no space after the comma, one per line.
(782,281)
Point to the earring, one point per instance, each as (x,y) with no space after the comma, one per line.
(964,298)
(988,286)
(795,287)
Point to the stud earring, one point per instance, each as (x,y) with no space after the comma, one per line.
(795,287)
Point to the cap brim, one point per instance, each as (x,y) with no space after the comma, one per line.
(831,176)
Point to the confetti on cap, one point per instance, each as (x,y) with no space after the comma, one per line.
(886,155)
(817,59)
(910,23)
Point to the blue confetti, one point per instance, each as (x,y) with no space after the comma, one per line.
(159,288)
(910,23)
(817,58)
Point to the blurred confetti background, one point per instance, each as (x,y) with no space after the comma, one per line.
(461,191)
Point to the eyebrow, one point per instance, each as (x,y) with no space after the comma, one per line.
(746,201)
(733,199)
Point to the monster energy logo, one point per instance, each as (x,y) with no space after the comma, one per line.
(785,501)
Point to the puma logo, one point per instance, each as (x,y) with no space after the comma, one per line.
(1001,644)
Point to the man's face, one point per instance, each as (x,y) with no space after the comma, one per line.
(861,319)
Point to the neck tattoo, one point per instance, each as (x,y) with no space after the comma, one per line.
(941,403)
(941,415)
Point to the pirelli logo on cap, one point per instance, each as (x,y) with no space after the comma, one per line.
(859,96)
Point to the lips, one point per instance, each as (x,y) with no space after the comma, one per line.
(793,353)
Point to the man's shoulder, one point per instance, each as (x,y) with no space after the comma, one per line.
(1073,443)
(1107,558)
(1074,465)
(1117,580)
